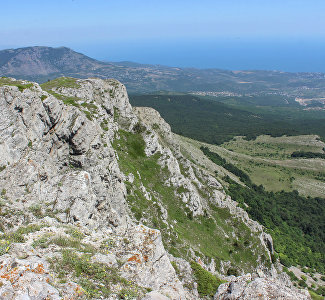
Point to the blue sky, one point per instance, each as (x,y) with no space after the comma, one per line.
(183,33)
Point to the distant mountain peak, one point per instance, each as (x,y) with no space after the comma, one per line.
(42,60)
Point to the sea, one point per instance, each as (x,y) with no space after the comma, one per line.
(291,54)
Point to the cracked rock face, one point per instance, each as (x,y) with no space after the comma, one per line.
(243,288)
(148,263)
(55,156)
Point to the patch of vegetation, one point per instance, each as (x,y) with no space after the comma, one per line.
(13,237)
(116,114)
(29,228)
(21,86)
(315,296)
(36,210)
(232,271)
(17,236)
(4,246)
(42,242)
(292,275)
(320,290)
(104,124)
(207,284)
(96,279)
(265,146)
(107,244)
(63,242)
(75,233)
(67,82)
(174,264)
(218,160)
(73,101)
(92,110)
(139,128)
(89,109)
(302,154)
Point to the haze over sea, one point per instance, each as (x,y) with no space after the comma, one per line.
(292,55)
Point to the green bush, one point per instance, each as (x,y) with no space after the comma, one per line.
(207,283)
(232,271)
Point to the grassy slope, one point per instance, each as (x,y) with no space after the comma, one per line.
(217,235)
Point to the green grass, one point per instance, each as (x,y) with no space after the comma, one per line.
(17,236)
(202,233)
(89,109)
(29,228)
(96,279)
(315,296)
(36,210)
(104,124)
(21,86)
(75,233)
(64,242)
(67,82)
(74,101)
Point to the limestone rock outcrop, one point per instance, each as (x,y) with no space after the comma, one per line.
(244,288)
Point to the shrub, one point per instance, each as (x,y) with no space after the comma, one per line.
(232,271)
(139,128)
(207,282)
(36,210)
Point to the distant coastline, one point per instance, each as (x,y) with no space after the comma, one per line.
(290,55)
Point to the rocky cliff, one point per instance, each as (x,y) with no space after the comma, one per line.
(99,201)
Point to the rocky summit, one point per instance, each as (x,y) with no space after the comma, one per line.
(100,200)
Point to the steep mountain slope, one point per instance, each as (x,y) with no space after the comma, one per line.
(43,63)
(44,60)
(83,179)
